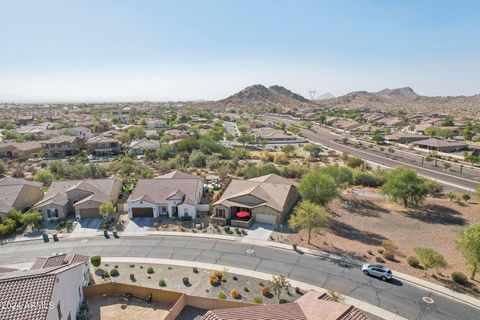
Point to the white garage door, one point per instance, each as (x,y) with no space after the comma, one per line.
(265,218)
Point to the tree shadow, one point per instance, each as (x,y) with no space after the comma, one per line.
(363,207)
(436,214)
(349,232)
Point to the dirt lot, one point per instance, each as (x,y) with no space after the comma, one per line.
(363,218)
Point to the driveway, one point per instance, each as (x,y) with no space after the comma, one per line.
(259,231)
(138,224)
(85,226)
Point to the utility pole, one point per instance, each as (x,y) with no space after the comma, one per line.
(312,93)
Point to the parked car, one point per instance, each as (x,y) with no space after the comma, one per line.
(377,270)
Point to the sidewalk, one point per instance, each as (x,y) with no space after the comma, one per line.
(377,311)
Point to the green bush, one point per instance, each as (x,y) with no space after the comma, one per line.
(195,270)
(132,277)
(162,283)
(246,289)
(150,270)
(460,278)
(96,261)
(132,266)
(186,281)
(114,273)
(282,301)
(379,260)
(257,300)
(354,162)
(413,262)
(221,295)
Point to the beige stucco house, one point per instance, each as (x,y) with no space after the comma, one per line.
(18,194)
(80,197)
(269,199)
(62,146)
(176,194)
(20,150)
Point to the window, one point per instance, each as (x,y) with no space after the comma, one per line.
(52,213)
(221,212)
(163,209)
(185,212)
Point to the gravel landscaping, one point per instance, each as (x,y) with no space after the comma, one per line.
(198,282)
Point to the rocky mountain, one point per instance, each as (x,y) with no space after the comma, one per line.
(408,100)
(262,98)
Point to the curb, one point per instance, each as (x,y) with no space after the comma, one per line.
(372,309)
(460,297)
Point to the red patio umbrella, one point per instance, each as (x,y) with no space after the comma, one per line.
(243,214)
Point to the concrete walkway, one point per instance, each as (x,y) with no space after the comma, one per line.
(379,312)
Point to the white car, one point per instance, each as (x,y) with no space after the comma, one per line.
(377,270)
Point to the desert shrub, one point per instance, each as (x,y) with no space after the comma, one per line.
(389,246)
(132,266)
(214,281)
(265,291)
(162,283)
(366,179)
(413,262)
(235,294)
(379,259)
(388,255)
(282,301)
(195,270)
(298,291)
(235,278)
(257,300)
(96,261)
(114,273)
(460,278)
(380,251)
(354,162)
(186,281)
(221,295)
(246,289)
(132,277)
(150,270)
(226,229)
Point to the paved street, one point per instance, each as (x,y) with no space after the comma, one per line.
(469,179)
(400,298)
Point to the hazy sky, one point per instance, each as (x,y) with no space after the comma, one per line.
(157,50)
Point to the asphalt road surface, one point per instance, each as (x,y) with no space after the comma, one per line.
(467,180)
(401,298)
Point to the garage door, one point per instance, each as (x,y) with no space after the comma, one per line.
(265,218)
(89,213)
(142,212)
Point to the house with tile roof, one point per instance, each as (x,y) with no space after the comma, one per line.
(18,194)
(80,197)
(268,199)
(311,306)
(20,150)
(62,146)
(176,194)
(104,146)
(139,147)
(53,291)
(441,145)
